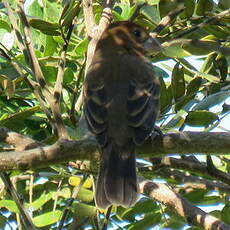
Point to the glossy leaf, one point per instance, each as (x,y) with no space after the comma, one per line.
(84,210)
(204,6)
(150,220)
(194,85)
(5,25)
(178,82)
(47,218)
(224,4)
(9,205)
(212,100)
(226,214)
(85,195)
(200,118)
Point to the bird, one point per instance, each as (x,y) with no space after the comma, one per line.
(121,104)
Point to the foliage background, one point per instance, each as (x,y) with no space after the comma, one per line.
(188,96)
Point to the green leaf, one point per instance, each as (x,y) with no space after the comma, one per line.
(144,206)
(22,115)
(3,221)
(69,13)
(68,76)
(50,73)
(221,64)
(200,118)
(194,228)
(152,13)
(84,210)
(212,100)
(44,198)
(10,205)
(196,195)
(45,27)
(65,192)
(224,4)
(221,32)
(82,47)
(165,97)
(123,11)
(201,47)
(4,25)
(165,6)
(204,6)
(153,2)
(35,9)
(149,220)
(85,195)
(175,51)
(216,213)
(185,103)
(208,77)
(178,82)
(50,46)
(8,72)
(189,9)
(225,214)
(208,63)
(175,222)
(210,200)
(194,85)
(176,121)
(47,218)
(55,7)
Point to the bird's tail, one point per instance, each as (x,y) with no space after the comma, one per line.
(117,180)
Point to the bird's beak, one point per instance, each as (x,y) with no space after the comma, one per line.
(151,45)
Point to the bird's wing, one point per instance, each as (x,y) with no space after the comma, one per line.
(143,105)
(94,107)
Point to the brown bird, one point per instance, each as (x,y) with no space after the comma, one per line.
(121,104)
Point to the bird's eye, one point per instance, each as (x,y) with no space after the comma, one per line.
(137,33)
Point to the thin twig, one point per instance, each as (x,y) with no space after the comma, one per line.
(59,124)
(188,165)
(75,93)
(34,64)
(202,24)
(97,32)
(188,180)
(17,34)
(166,21)
(26,219)
(104,227)
(213,171)
(89,17)
(66,211)
(61,65)
(204,45)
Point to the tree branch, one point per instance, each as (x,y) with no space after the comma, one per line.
(192,214)
(192,166)
(37,72)
(25,217)
(19,141)
(89,17)
(192,182)
(66,150)
(94,32)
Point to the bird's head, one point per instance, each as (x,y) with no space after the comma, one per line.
(130,36)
